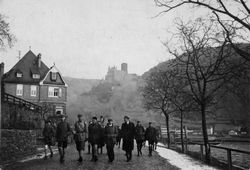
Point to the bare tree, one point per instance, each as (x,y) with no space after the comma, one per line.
(204,55)
(180,97)
(47,108)
(155,95)
(6,37)
(233,16)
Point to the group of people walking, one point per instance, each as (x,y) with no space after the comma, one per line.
(97,134)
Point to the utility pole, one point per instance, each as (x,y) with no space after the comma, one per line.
(1,74)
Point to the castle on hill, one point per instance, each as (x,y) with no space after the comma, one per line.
(116,76)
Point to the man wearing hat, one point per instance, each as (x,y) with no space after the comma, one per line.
(63,130)
(127,133)
(94,137)
(139,137)
(150,136)
(111,133)
(80,136)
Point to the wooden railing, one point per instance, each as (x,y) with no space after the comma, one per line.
(21,102)
(229,152)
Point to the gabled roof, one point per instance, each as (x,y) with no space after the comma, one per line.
(27,65)
(60,81)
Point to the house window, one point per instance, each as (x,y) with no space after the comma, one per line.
(36,76)
(59,110)
(19,89)
(54,92)
(18,74)
(53,76)
(33,91)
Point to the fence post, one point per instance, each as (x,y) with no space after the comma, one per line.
(201,147)
(229,159)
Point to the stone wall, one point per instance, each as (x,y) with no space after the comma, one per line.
(17,117)
(16,144)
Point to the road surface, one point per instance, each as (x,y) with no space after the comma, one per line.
(143,162)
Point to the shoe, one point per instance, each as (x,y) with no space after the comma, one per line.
(95,159)
(80,159)
(45,157)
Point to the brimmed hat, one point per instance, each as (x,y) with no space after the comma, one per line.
(126,117)
(110,120)
(94,117)
(62,115)
(79,115)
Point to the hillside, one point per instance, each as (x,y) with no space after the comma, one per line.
(95,98)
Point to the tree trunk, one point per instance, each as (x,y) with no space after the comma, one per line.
(204,130)
(182,142)
(168,133)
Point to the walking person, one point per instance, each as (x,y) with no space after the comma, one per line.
(49,135)
(139,137)
(94,137)
(118,137)
(102,138)
(80,136)
(127,133)
(111,133)
(89,144)
(63,130)
(150,136)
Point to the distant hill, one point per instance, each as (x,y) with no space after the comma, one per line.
(96,97)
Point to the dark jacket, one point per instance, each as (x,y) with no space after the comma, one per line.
(150,134)
(95,131)
(139,133)
(48,131)
(110,133)
(63,130)
(127,133)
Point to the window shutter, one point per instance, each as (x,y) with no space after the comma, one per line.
(60,92)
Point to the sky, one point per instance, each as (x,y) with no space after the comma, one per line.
(83,38)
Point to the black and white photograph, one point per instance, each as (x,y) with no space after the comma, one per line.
(124,84)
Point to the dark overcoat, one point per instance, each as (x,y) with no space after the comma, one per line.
(95,132)
(48,134)
(150,134)
(63,130)
(111,133)
(128,132)
(139,133)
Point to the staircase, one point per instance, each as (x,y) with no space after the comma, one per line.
(21,102)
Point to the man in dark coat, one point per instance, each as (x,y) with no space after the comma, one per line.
(150,136)
(94,137)
(128,132)
(139,137)
(80,136)
(48,134)
(102,138)
(110,133)
(63,130)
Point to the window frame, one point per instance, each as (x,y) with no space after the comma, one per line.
(36,76)
(33,93)
(53,76)
(19,91)
(54,90)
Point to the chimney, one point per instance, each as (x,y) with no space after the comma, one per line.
(39,60)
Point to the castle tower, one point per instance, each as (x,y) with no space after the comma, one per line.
(124,67)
